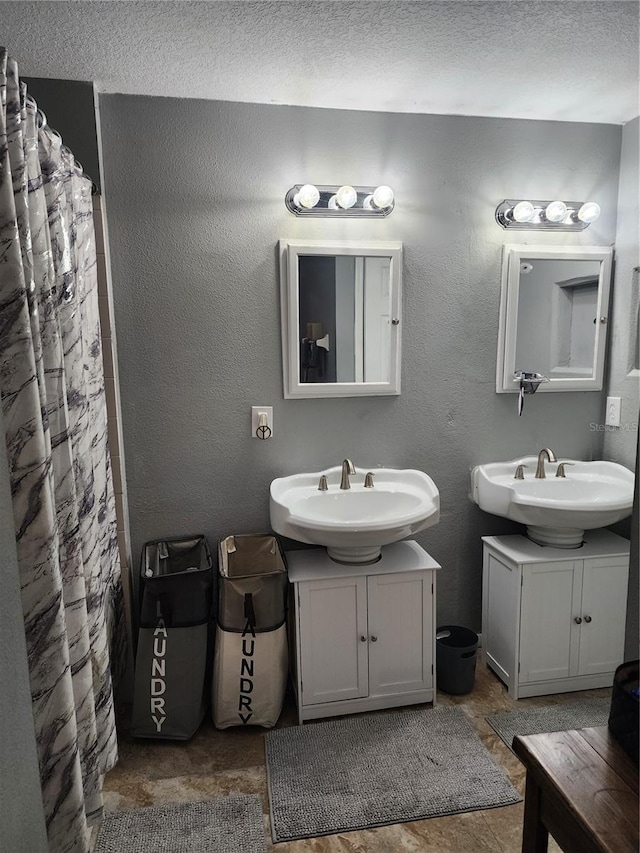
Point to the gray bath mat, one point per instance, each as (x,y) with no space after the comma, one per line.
(580,714)
(224,825)
(361,772)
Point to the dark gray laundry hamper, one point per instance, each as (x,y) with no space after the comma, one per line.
(174,639)
(251,659)
(456,650)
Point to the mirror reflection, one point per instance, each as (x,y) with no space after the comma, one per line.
(553,316)
(344,318)
(557,316)
(341,312)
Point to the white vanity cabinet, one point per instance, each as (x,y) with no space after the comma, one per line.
(553,620)
(362,636)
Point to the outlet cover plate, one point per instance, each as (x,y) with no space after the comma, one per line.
(256,411)
(613,411)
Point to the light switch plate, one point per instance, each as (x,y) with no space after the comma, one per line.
(612,417)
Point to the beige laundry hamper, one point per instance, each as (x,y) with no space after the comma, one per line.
(251,659)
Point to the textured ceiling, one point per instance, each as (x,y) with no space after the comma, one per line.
(568,60)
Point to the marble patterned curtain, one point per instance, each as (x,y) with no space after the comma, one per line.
(54,412)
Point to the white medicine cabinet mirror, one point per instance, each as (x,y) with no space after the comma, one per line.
(553,316)
(341,308)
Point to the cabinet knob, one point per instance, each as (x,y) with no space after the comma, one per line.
(587,619)
(578,620)
(374,639)
(363,639)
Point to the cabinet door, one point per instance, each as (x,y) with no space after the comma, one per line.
(603,613)
(333,639)
(500,614)
(400,632)
(550,595)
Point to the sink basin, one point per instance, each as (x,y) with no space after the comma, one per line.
(556,510)
(354,523)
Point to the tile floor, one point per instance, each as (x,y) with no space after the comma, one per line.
(215,763)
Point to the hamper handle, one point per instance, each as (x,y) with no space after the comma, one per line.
(249,611)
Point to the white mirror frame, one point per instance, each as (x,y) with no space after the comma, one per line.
(507,329)
(290,250)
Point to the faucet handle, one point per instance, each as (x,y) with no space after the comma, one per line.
(561,467)
(368,480)
(519,475)
(322,485)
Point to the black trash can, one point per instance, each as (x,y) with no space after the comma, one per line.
(456,649)
(624,713)
(173,655)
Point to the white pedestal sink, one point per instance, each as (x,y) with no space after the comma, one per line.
(353,524)
(556,510)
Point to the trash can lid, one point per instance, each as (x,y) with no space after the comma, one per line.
(456,635)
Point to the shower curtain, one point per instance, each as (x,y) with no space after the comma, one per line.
(54,414)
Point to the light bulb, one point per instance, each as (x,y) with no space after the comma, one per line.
(556,211)
(308,196)
(346,197)
(589,212)
(523,211)
(383,196)
(332,204)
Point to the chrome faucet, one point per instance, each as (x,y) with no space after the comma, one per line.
(347,468)
(551,457)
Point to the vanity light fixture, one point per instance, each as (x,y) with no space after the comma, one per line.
(346,200)
(556,215)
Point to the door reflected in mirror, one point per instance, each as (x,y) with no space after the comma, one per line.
(340,307)
(553,316)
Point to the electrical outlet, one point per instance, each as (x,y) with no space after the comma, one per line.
(613,412)
(258,428)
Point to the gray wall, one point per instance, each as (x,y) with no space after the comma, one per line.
(70,109)
(195,201)
(620,445)
(632,640)
(22,827)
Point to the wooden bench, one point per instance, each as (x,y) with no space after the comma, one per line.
(582,788)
